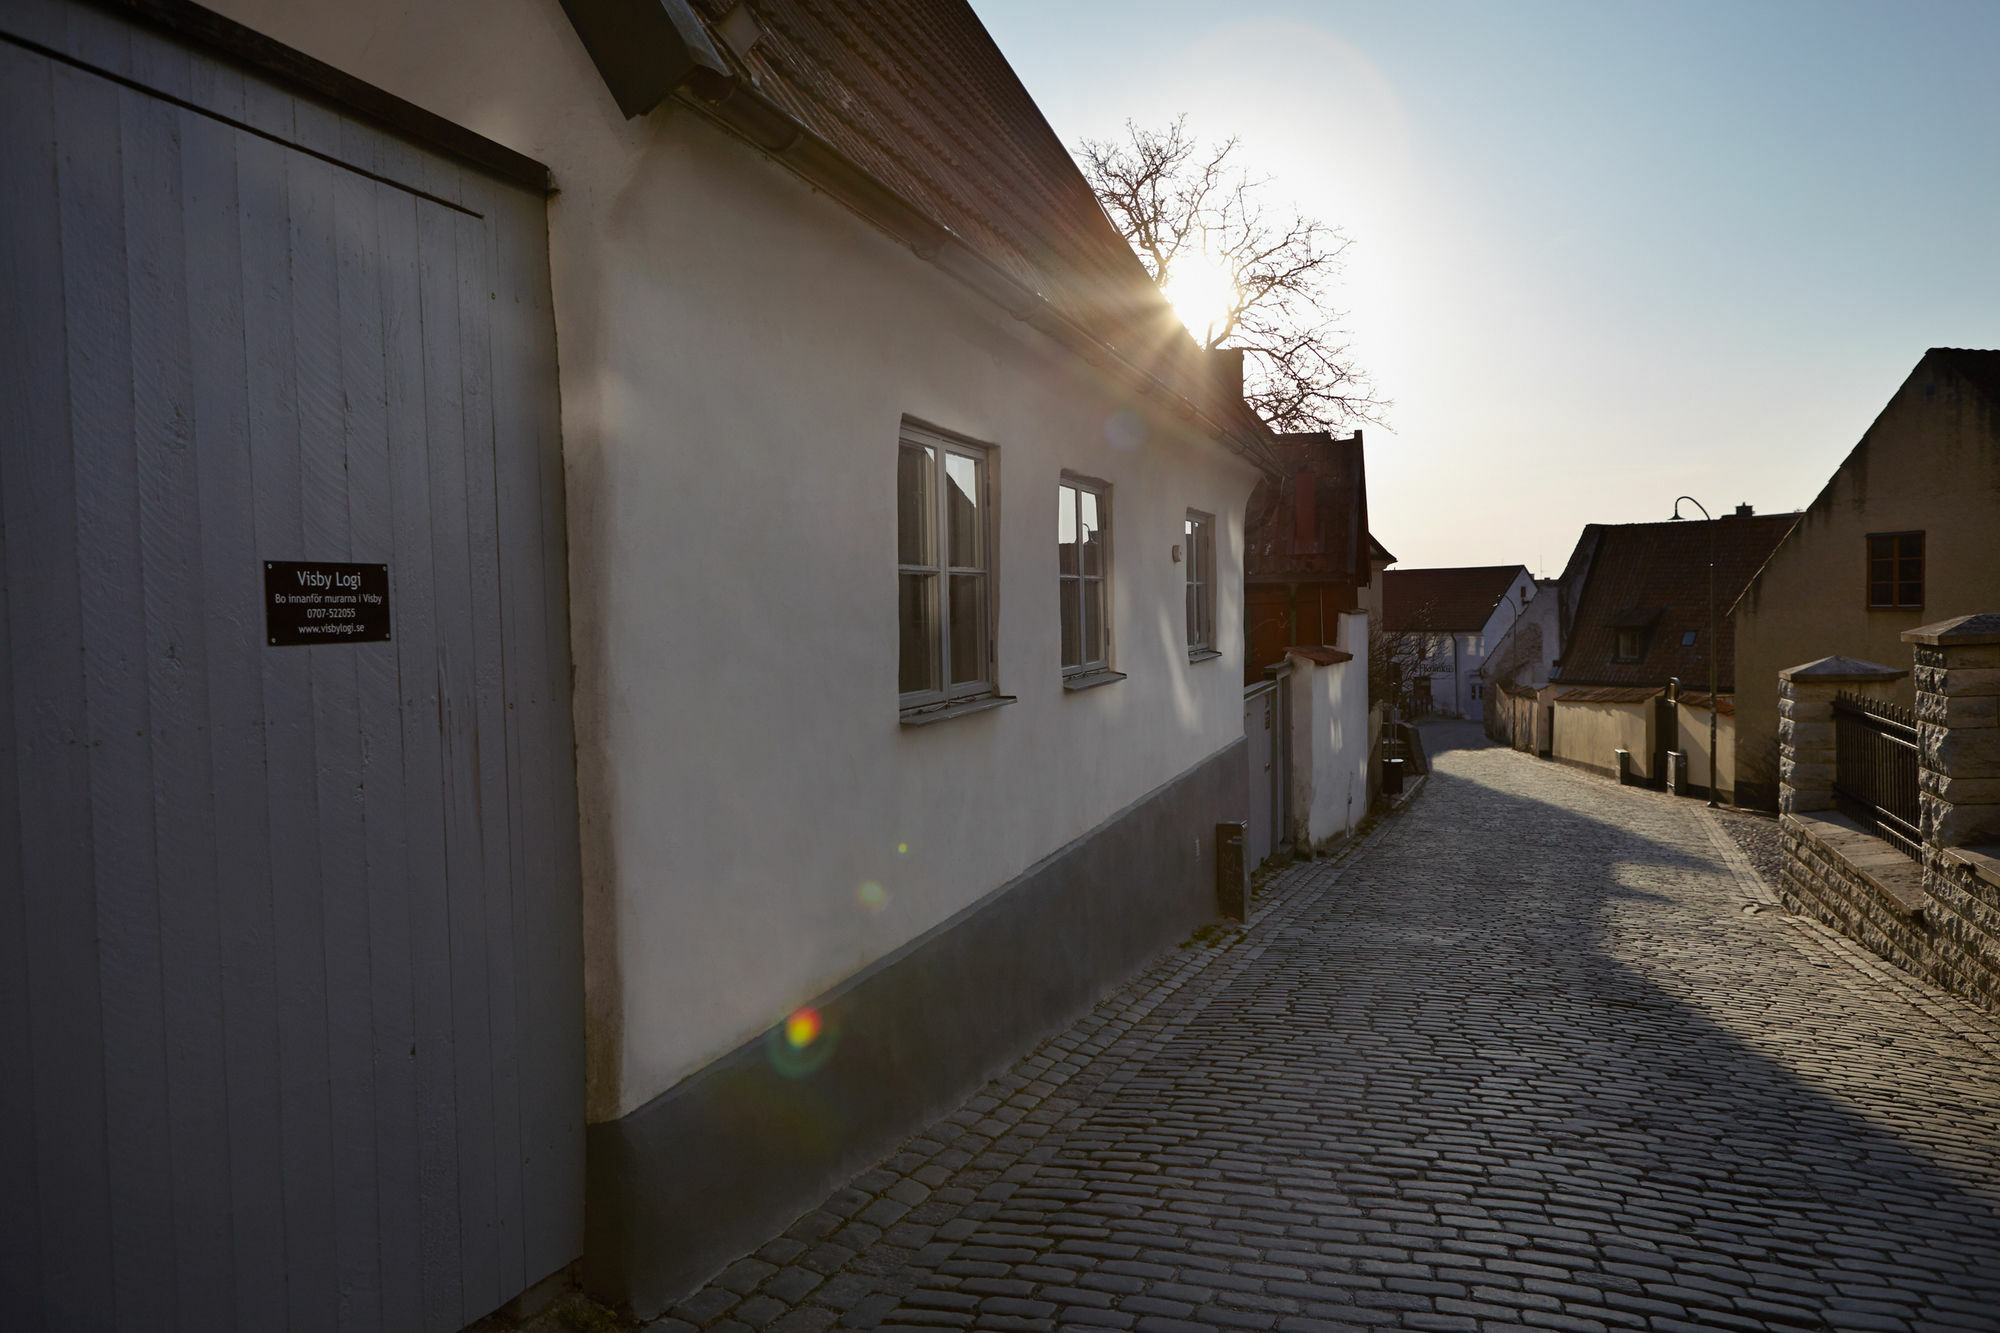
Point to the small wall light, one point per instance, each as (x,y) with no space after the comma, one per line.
(1177,553)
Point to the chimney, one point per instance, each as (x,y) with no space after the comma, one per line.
(1228,371)
(1744,511)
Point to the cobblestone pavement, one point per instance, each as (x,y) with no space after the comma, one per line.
(1756,835)
(1541,1051)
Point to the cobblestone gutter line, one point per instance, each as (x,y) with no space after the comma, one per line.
(873,1244)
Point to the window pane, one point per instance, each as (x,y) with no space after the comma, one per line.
(1066,529)
(918,632)
(1093,620)
(968,628)
(1193,614)
(966,531)
(1072,641)
(1910,546)
(1091,530)
(916,543)
(1909,593)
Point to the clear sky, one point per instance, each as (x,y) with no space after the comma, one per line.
(1605,253)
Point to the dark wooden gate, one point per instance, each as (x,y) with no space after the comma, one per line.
(290,968)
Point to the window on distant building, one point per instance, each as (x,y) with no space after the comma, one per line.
(1896,569)
(1200,536)
(1083,566)
(943,571)
(1629,647)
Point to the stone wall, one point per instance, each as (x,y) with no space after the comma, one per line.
(1939,919)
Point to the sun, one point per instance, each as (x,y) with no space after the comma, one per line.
(1202,292)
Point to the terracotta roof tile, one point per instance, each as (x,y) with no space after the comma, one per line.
(1653,578)
(1449,601)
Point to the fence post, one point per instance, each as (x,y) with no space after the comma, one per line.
(1805,725)
(1958,729)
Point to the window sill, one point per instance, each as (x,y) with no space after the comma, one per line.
(1090,680)
(1203,654)
(923,717)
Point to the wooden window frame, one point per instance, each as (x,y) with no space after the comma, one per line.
(1896,559)
(949,698)
(1638,653)
(1090,669)
(1198,532)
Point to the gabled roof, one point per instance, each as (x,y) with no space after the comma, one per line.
(1310,523)
(1445,601)
(1653,578)
(1980,368)
(918,96)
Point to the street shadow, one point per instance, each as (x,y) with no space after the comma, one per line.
(1530,1053)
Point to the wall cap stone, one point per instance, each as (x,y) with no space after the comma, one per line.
(1837,670)
(1965,631)
(1895,876)
(1984,861)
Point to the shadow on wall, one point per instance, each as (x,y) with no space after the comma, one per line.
(1507,1067)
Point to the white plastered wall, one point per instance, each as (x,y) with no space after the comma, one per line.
(1693,742)
(1593,733)
(737,352)
(1330,737)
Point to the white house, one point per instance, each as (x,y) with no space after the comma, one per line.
(722,398)
(1457,615)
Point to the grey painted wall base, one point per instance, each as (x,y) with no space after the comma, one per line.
(732,1155)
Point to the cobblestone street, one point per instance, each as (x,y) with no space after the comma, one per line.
(1540,1051)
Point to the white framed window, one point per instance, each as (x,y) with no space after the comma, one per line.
(1200,541)
(944,571)
(1083,575)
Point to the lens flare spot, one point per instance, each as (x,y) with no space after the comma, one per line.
(902,849)
(1124,431)
(802,1028)
(872,896)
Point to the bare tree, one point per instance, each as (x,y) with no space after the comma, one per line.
(1181,203)
(1397,660)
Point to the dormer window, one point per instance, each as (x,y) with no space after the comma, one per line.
(1630,646)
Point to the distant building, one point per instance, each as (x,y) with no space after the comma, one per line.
(1306,547)
(1641,622)
(1905,533)
(1450,618)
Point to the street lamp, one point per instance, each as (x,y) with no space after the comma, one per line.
(1712,645)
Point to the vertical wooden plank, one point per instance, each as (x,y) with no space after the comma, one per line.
(547,916)
(323,403)
(290,763)
(174,646)
(96,284)
(478,298)
(458,723)
(214,205)
(406,371)
(62,1278)
(365,347)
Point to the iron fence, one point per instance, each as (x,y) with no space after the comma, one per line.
(1875,769)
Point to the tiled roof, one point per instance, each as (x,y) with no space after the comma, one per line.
(1653,578)
(1323,538)
(916,94)
(1447,601)
(1608,694)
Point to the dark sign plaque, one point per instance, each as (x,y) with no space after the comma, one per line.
(316,601)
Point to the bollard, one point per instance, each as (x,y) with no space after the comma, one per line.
(1624,768)
(1677,772)
(1392,777)
(1232,871)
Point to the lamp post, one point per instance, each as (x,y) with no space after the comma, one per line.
(1712,645)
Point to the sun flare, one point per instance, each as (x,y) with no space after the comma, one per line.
(1202,292)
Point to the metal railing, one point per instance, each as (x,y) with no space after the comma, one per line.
(1875,769)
